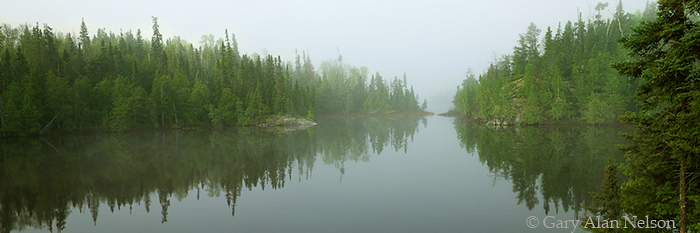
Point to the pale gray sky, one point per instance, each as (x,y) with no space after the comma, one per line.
(433,42)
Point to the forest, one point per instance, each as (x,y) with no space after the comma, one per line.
(640,69)
(52,81)
(565,77)
(662,158)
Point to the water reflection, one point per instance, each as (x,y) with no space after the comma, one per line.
(42,180)
(556,166)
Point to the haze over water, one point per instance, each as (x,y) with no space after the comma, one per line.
(433,174)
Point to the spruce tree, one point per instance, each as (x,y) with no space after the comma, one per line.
(664,153)
(158,55)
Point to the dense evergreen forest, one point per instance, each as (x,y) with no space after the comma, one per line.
(565,77)
(115,82)
(663,156)
(642,65)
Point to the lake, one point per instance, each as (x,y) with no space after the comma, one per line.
(433,174)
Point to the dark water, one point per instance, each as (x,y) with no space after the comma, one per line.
(432,174)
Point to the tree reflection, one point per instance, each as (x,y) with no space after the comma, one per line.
(347,139)
(41,181)
(554,165)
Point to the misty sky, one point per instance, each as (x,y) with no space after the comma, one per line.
(433,42)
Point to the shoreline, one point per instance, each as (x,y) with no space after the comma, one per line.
(377,115)
(268,122)
(477,120)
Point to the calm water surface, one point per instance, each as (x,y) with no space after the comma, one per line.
(433,174)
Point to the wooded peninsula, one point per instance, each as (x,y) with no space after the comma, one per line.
(565,78)
(116,82)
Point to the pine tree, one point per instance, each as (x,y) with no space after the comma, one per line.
(121,81)
(157,51)
(84,44)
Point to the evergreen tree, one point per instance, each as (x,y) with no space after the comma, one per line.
(121,81)
(157,51)
(227,110)
(5,70)
(199,102)
(29,114)
(568,79)
(10,115)
(84,38)
(664,150)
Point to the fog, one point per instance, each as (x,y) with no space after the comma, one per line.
(434,42)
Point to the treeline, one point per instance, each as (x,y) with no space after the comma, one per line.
(566,77)
(343,89)
(122,81)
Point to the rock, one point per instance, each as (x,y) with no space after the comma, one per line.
(285,124)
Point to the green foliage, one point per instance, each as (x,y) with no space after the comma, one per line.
(21,113)
(378,97)
(311,115)
(531,114)
(596,111)
(664,150)
(566,78)
(199,102)
(227,111)
(342,89)
(255,109)
(11,108)
(465,99)
(131,106)
(122,81)
(557,110)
